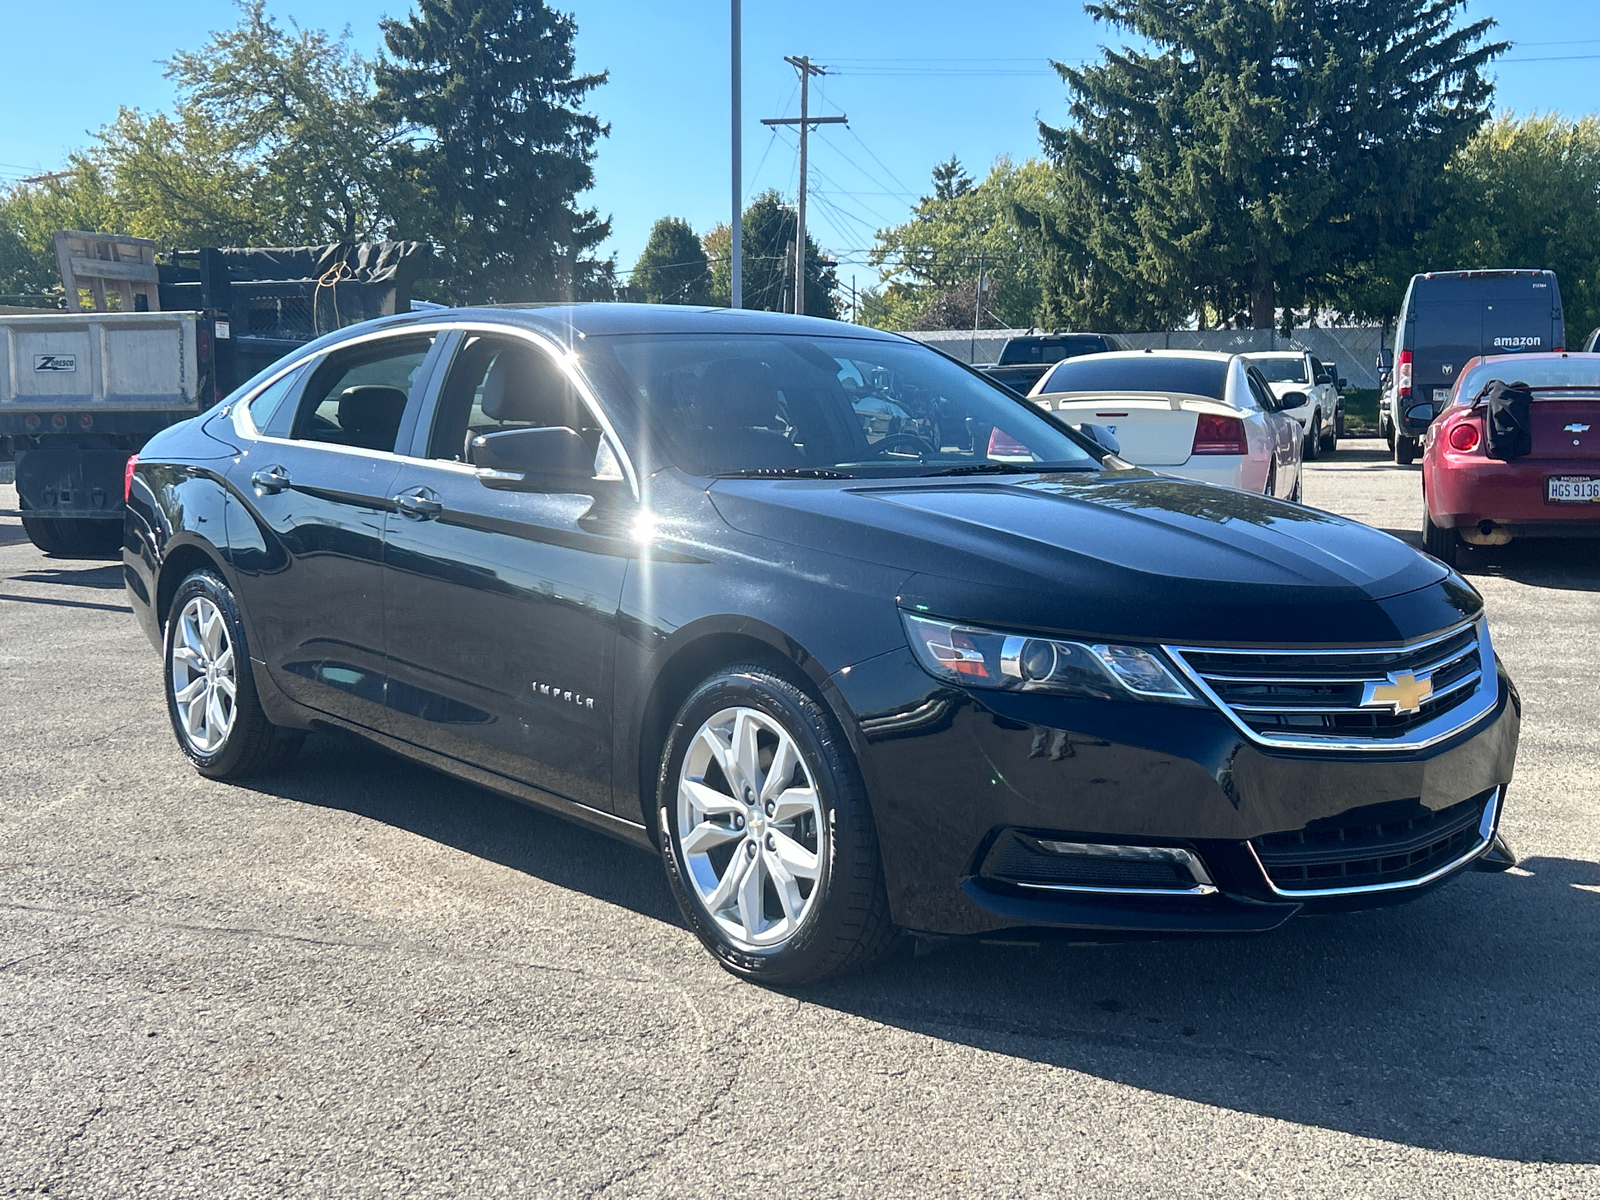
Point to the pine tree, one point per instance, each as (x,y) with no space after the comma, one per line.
(502,148)
(1265,148)
(768,229)
(672,269)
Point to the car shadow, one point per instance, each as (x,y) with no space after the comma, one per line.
(337,770)
(108,577)
(1463,1022)
(1560,564)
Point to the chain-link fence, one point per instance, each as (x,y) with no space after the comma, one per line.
(1353,347)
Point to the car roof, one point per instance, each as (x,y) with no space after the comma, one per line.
(1255,354)
(1196,355)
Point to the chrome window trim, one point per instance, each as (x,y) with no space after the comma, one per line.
(565,360)
(1445,725)
(1486,827)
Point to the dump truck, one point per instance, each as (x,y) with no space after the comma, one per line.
(83,389)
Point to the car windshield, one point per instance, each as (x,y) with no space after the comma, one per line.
(1282,370)
(760,404)
(1141,373)
(1571,373)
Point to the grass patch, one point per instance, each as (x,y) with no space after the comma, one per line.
(1361,412)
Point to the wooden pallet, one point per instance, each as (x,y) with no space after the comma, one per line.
(93,260)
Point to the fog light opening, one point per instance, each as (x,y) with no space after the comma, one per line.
(1049,864)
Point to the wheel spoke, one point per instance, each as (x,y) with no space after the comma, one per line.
(745,750)
(707,835)
(706,799)
(211,631)
(796,802)
(194,715)
(738,867)
(781,770)
(796,858)
(751,898)
(195,687)
(784,883)
(225,660)
(226,689)
(720,754)
(193,662)
(190,633)
(216,716)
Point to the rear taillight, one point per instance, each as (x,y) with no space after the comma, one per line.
(1219,435)
(1402,375)
(1464,437)
(127,477)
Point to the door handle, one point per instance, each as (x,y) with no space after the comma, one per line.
(271,479)
(420,504)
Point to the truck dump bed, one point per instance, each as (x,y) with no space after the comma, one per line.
(96,365)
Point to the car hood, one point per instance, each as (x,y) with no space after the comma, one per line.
(1116,553)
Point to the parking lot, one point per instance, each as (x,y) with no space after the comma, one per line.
(360,978)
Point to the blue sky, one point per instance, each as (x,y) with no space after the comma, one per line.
(919,79)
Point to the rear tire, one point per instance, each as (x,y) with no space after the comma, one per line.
(1443,544)
(74,537)
(1405,450)
(758,918)
(205,656)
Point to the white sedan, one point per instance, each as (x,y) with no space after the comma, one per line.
(1310,391)
(1194,413)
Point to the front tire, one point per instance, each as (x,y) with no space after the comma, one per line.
(210,687)
(1314,439)
(766,834)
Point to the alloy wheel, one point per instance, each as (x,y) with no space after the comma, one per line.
(205,682)
(750,823)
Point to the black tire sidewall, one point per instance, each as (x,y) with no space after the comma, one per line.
(808,953)
(226,758)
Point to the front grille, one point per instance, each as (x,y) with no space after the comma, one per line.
(1382,844)
(1298,697)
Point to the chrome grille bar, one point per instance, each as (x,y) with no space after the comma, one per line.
(1314,715)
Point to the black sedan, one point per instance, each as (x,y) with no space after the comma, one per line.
(859,640)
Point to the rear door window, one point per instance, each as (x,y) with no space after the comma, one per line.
(358,398)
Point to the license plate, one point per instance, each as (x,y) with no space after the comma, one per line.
(1573,489)
(1440,395)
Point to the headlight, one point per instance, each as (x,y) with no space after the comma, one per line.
(975,657)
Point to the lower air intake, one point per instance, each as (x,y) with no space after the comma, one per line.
(1025,860)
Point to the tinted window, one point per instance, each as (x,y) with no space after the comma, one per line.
(713,405)
(265,402)
(1144,373)
(1259,390)
(358,398)
(497,383)
(1051,349)
(1577,373)
(1281,370)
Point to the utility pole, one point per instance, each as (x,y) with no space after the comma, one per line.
(736,226)
(977,311)
(807,69)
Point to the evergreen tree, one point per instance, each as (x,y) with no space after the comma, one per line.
(769,226)
(1262,150)
(502,149)
(672,269)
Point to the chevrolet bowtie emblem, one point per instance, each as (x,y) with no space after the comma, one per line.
(1405,693)
(1575,428)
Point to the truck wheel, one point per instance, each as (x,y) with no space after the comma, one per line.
(74,537)
(210,687)
(768,841)
(1443,544)
(1338,426)
(1330,437)
(1405,449)
(1387,430)
(1314,438)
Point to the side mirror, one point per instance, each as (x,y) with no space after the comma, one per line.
(1294,400)
(1343,383)
(553,459)
(1102,435)
(1385,360)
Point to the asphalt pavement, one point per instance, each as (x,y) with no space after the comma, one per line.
(360,978)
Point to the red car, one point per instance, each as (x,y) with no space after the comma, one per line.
(1552,492)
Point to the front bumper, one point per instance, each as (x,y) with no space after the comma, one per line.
(949,773)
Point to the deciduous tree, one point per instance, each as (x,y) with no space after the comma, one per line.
(673,268)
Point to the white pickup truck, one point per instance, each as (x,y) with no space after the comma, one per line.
(1321,417)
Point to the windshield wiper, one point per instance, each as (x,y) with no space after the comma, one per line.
(1004,468)
(783,473)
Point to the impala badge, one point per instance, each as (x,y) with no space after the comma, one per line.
(565,695)
(1404,693)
